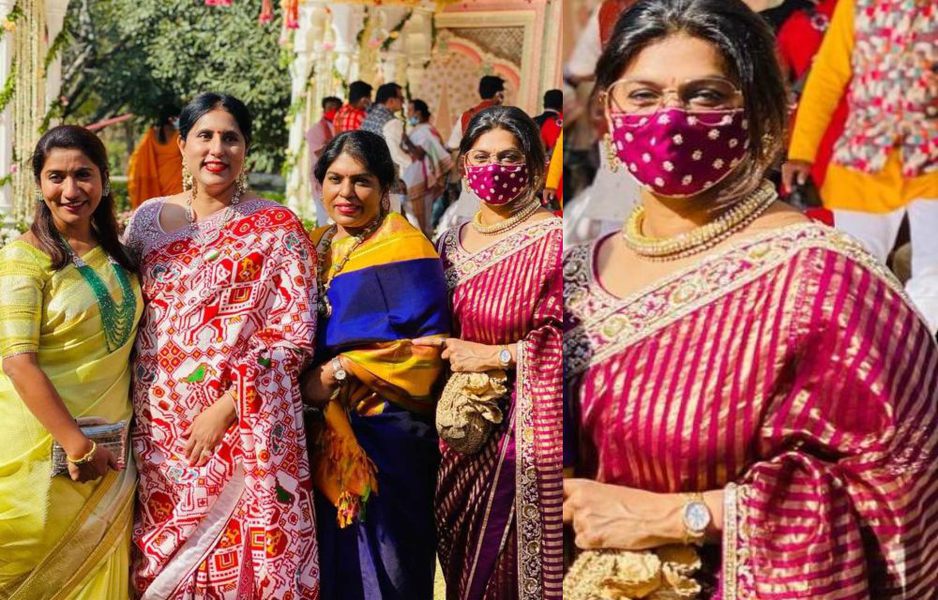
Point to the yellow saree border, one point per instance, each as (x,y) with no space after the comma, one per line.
(465,266)
(81,548)
(607,324)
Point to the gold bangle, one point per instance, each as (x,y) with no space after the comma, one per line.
(87,458)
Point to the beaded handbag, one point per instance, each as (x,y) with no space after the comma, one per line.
(468,409)
(112,436)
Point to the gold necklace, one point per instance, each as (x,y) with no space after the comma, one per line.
(510,223)
(701,238)
(325,243)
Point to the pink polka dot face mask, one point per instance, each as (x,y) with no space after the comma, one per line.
(680,153)
(497,184)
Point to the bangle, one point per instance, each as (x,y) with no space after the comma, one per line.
(87,458)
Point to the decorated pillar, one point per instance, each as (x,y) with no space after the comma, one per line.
(6,116)
(418,46)
(55,17)
(347,21)
(28,104)
(297,184)
(392,20)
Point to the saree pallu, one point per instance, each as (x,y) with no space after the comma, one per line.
(236,310)
(790,371)
(498,512)
(155,169)
(375,465)
(60,538)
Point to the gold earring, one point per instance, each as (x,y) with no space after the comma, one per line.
(39,197)
(242,182)
(187,181)
(611,157)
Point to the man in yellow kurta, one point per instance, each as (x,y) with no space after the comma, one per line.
(882,54)
(155,168)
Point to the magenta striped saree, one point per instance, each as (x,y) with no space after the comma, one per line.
(498,511)
(789,371)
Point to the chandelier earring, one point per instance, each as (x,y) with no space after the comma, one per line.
(611,157)
(107,189)
(187,180)
(242,182)
(39,197)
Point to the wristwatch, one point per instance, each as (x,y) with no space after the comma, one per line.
(338,371)
(504,357)
(696,518)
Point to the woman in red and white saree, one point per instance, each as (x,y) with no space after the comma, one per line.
(225,498)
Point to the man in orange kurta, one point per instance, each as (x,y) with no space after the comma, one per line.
(155,168)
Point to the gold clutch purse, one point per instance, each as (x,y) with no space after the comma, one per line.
(665,573)
(468,409)
(112,436)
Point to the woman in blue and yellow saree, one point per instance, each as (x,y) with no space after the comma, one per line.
(374,454)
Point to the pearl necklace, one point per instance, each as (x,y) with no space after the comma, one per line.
(702,238)
(510,223)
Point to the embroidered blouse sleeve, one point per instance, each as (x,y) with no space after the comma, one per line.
(22,281)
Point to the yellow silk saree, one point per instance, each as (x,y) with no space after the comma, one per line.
(60,538)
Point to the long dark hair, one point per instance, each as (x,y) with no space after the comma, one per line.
(209,101)
(747,45)
(517,122)
(166,112)
(366,147)
(103,221)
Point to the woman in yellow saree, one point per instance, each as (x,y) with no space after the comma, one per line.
(68,317)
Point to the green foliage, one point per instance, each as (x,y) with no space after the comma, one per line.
(135,55)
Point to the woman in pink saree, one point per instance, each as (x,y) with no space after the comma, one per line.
(224,507)
(738,379)
(498,508)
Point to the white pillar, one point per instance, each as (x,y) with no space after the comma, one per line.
(6,120)
(55,16)
(297,184)
(390,17)
(418,39)
(347,21)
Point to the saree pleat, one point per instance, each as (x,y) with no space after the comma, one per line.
(788,370)
(498,511)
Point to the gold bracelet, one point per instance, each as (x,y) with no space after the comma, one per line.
(87,458)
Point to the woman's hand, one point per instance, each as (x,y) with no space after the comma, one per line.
(317,384)
(466,357)
(208,429)
(612,516)
(102,460)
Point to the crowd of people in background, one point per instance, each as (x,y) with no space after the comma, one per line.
(429,187)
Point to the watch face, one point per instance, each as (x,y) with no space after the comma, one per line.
(504,357)
(696,516)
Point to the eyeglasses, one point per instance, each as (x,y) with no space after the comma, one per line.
(636,96)
(478,158)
